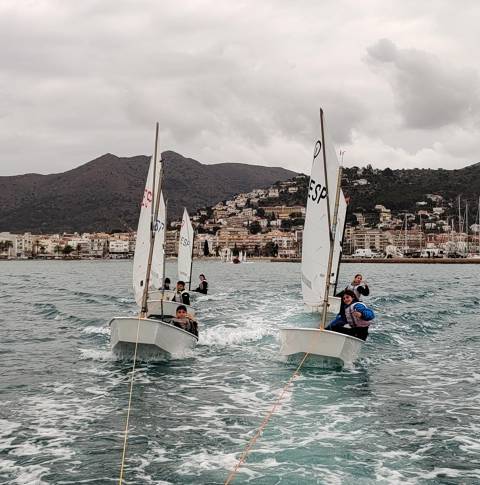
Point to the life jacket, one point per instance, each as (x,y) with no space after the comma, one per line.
(186,324)
(178,296)
(354,288)
(353,320)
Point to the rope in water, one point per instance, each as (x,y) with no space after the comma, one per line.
(264,423)
(125,438)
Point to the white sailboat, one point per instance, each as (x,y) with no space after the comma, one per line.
(324,220)
(185,250)
(152,334)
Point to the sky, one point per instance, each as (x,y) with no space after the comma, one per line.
(239,81)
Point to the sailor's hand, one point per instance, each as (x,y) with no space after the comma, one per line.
(190,316)
(357,314)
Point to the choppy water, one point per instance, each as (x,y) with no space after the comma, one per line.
(408,412)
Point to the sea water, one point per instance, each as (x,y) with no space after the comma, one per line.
(407,412)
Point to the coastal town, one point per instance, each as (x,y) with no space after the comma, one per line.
(268,222)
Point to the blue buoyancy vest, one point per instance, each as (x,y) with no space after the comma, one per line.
(353,320)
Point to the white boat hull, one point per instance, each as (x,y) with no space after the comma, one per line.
(324,343)
(334,304)
(167,308)
(154,337)
(157,294)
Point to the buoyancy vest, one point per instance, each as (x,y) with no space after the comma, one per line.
(354,288)
(178,296)
(353,320)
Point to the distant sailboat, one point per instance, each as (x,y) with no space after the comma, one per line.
(151,334)
(185,250)
(326,211)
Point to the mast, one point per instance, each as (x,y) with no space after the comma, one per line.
(332,245)
(330,228)
(326,178)
(154,214)
(466,225)
(164,245)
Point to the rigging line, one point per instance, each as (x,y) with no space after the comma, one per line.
(264,423)
(125,438)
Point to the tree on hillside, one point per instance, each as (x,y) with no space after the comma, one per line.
(206,250)
(67,250)
(255,227)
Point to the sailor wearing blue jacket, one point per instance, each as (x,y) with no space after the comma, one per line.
(354,319)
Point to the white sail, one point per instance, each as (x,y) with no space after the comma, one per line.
(337,250)
(316,236)
(185,246)
(142,245)
(158,256)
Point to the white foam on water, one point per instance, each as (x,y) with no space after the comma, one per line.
(25,449)
(23,475)
(7,428)
(104,330)
(389,476)
(96,354)
(229,335)
(198,461)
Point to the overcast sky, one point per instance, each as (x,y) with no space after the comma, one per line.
(239,81)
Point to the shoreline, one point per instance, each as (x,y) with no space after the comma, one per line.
(393,260)
(282,260)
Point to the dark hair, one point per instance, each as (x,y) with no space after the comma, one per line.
(349,293)
(167,280)
(201,274)
(181,307)
(181,283)
(357,275)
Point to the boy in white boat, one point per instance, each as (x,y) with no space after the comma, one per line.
(185,321)
(180,295)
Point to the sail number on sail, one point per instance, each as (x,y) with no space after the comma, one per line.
(158,226)
(184,241)
(316,192)
(147,198)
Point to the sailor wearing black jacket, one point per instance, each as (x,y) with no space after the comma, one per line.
(357,287)
(203,285)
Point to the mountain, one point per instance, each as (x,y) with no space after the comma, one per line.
(400,190)
(105,194)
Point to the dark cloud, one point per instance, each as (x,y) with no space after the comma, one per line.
(430,91)
(240,82)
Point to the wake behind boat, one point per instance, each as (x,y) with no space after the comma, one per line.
(321,256)
(153,332)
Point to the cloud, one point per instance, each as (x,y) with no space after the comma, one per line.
(430,92)
(236,82)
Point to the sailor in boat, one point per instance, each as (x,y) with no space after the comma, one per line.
(185,321)
(166,284)
(354,319)
(203,285)
(180,295)
(358,287)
